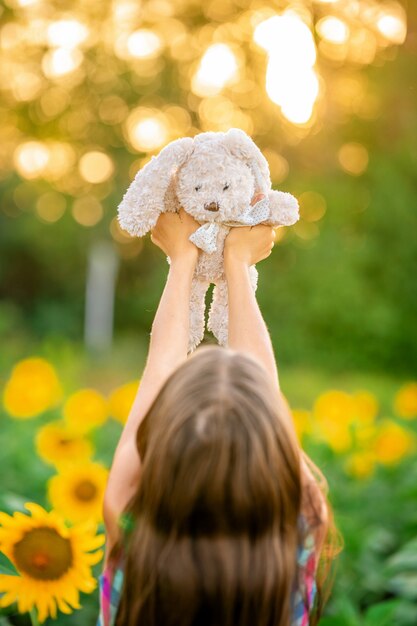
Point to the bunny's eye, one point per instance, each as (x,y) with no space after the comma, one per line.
(197,188)
(226,186)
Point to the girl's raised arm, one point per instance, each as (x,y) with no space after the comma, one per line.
(167,349)
(248,333)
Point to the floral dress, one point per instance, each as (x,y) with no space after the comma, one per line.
(111,582)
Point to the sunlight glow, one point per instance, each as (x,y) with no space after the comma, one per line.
(67,33)
(288,37)
(354,158)
(147,129)
(291,81)
(95,166)
(144,43)
(31,158)
(50,206)
(333,29)
(61,61)
(218,67)
(393,28)
(87,211)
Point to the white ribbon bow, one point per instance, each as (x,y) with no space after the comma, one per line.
(205,237)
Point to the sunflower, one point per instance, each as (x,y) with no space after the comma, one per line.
(32,388)
(86,409)
(77,491)
(392,443)
(57,444)
(405,402)
(121,400)
(335,406)
(53,562)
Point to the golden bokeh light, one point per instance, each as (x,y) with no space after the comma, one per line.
(179,119)
(87,211)
(54,100)
(333,29)
(312,206)
(118,234)
(61,61)
(353,158)
(67,33)
(393,28)
(128,246)
(22,3)
(219,114)
(306,230)
(62,157)
(363,47)
(31,158)
(50,206)
(291,80)
(278,165)
(288,37)
(26,85)
(95,166)
(144,43)
(147,129)
(218,68)
(113,110)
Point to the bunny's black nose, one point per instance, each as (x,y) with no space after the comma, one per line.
(213,206)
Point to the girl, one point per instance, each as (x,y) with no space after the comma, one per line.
(214,516)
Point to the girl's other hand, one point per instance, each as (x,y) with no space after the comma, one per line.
(171,233)
(249,244)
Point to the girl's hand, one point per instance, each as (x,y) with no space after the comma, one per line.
(249,244)
(171,233)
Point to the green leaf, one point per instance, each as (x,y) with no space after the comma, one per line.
(6,566)
(404,585)
(381,614)
(403,560)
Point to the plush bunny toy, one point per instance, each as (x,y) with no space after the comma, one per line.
(212,176)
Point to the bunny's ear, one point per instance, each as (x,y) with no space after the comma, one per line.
(242,146)
(145,198)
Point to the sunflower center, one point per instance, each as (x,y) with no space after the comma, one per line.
(43,553)
(85,490)
(65,441)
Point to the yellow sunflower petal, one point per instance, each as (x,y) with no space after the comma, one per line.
(392,443)
(8,598)
(86,409)
(32,388)
(121,400)
(58,445)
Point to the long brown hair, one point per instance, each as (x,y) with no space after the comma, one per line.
(216,511)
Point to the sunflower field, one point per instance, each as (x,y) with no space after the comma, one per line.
(90,91)
(58,441)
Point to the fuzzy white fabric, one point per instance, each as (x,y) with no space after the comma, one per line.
(193,173)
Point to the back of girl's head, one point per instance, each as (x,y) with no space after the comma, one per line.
(215,514)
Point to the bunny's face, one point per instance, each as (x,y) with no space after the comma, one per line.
(214,186)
